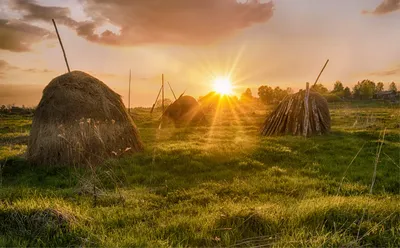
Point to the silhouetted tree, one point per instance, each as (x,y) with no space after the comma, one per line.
(279,94)
(366,89)
(289,90)
(379,87)
(247,95)
(266,94)
(346,93)
(319,88)
(338,89)
(393,87)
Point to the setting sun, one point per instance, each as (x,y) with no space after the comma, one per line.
(223,86)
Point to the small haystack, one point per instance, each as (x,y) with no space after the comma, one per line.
(294,116)
(185,110)
(80,120)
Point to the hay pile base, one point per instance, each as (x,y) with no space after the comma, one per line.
(288,117)
(80,120)
(184,111)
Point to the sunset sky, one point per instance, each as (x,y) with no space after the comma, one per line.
(281,43)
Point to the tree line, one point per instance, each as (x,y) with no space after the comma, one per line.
(365,89)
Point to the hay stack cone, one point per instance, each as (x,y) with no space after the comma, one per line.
(292,117)
(185,110)
(80,120)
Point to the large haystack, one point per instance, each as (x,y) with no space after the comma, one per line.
(185,110)
(290,116)
(80,120)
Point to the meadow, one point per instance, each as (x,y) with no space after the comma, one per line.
(214,186)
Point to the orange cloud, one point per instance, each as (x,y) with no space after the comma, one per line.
(33,11)
(17,36)
(385,7)
(5,67)
(188,22)
(389,72)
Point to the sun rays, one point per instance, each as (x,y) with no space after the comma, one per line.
(223,86)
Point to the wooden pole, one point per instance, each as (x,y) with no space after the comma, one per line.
(129,93)
(306,112)
(162,96)
(159,92)
(182,94)
(62,47)
(323,68)
(171,90)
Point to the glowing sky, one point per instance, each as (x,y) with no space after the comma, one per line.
(192,41)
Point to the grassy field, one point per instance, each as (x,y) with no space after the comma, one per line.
(220,185)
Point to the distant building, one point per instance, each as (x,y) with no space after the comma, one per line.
(16,110)
(387,95)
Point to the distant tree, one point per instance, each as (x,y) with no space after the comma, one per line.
(247,95)
(279,94)
(234,99)
(289,90)
(319,88)
(357,90)
(266,94)
(367,89)
(393,87)
(379,87)
(346,93)
(338,89)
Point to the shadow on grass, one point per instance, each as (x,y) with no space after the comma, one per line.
(40,227)
(16,171)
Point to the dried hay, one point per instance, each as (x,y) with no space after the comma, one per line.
(80,120)
(288,117)
(185,110)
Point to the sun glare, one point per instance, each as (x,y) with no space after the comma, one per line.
(223,86)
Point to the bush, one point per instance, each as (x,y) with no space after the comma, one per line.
(332,98)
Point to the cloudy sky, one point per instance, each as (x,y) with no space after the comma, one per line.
(281,43)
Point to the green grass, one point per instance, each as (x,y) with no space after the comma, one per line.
(220,185)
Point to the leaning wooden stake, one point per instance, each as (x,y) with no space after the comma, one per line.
(306,113)
(171,90)
(162,79)
(323,68)
(129,93)
(62,47)
(159,92)
(182,94)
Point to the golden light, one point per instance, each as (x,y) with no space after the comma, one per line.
(223,86)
